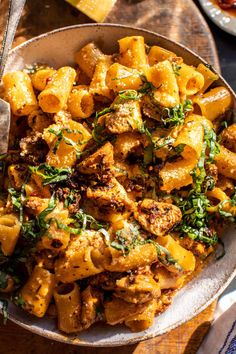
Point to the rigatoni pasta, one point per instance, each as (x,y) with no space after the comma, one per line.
(68,303)
(213,103)
(37,292)
(54,96)
(116,170)
(19,92)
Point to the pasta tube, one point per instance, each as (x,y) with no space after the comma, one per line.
(19,92)
(185,258)
(118,310)
(177,174)
(56,93)
(80,102)
(139,256)
(121,78)
(132,53)
(190,81)
(143,320)
(213,103)
(84,257)
(66,143)
(9,233)
(68,303)
(41,77)
(87,58)
(98,84)
(209,76)
(38,291)
(157,54)
(226,162)
(163,78)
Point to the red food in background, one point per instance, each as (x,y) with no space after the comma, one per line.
(227,4)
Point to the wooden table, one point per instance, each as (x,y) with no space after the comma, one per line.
(181,21)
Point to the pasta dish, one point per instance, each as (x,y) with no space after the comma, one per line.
(117,185)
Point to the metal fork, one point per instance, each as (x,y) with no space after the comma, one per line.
(15,8)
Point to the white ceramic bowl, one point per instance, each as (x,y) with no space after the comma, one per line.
(57,48)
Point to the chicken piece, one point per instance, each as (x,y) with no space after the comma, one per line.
(151,109)
(100,162)
(228,137)
(137,289)
(125,118)
(166,279)
(157,218)
(38,121)
(91,307)
(33,148)
(36,205)
(118,310)
(128,143)
(111,196)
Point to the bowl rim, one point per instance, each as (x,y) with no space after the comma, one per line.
(143,336)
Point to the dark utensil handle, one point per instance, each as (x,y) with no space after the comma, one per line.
(15,8)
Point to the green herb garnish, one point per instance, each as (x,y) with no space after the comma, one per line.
(176,68)
(51,174)
(61,137)
(195,220)
(177,114)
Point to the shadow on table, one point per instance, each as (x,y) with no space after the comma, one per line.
(201,331)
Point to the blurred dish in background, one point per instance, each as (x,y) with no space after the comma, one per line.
(222,13)
(227,4)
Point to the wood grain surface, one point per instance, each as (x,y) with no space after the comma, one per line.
(181,21)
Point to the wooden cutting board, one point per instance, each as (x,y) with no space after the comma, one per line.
(181,21)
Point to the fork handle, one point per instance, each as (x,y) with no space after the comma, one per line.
(15,8)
